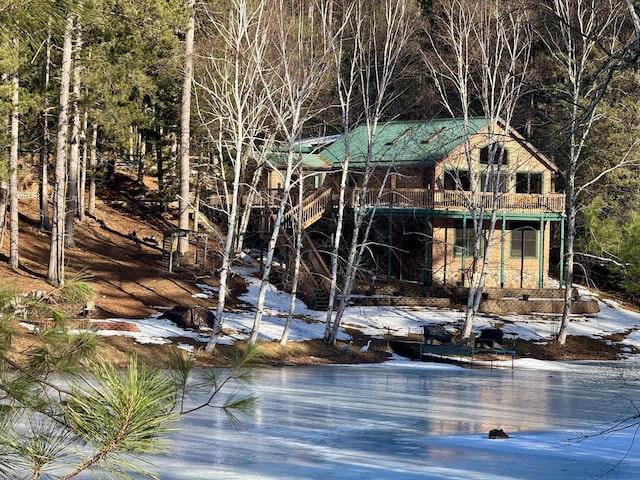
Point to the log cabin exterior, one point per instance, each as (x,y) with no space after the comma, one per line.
(420,194)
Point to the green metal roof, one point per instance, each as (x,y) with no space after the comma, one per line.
(412,142)
(312,161)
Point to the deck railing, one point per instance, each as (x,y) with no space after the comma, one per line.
(451,200)
(458,200)
(313,206)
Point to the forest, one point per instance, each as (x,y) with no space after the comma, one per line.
(200,94)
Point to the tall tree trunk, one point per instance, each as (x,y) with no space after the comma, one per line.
(55,274)
(271,250)
(185,129)
(45,219)
(73,167)
(296,261)
(13,172)
(93,165)
(160,159)
(82,181)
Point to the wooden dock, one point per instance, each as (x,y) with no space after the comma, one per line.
(459,354)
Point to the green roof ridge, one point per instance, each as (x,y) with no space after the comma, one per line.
(419,142)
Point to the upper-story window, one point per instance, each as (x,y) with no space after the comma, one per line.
(500,155)
(528,182)
(457,180)
(497,181)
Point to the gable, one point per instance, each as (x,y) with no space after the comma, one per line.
(521,155)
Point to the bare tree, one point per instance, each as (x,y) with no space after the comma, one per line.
(298,228)
(479,53)
(185,126)
(292,70)
(233,110)
(379,38)
(583,37)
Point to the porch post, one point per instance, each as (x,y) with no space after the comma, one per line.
(425,268)
(446,240)
(541,255)
(562,252)
(464,246)
(389,253)
(504,227)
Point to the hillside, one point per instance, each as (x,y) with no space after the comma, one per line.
(127,274)
(130,282)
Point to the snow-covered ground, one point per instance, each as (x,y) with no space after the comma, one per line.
(377,321)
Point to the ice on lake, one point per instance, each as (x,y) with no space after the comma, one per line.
(414,420)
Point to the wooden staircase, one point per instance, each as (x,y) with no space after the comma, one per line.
(314,277)
(313,207)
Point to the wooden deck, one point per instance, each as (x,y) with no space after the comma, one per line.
(316,201)
(421,198)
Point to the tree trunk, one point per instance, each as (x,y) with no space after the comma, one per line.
(271,248)
(160,160)
(296,262)
(13,178)
(225,266)
(55,274)
(73,167)
(82,181)
(93,165)
(45,219)
(245,215)
(185,130)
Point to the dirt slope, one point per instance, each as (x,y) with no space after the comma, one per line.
(127,274)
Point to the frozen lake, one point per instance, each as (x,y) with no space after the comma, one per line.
(414,420)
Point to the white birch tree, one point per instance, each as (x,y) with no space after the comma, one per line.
(233,111)
(292,70)
(582,36)
(479,53)
(380,37)
(297,223)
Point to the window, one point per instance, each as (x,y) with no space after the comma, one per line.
(466,245)
(524,242)
(527,182)
(500,155)
(457,180)
(503,181)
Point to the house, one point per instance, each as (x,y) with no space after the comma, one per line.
(420,192)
